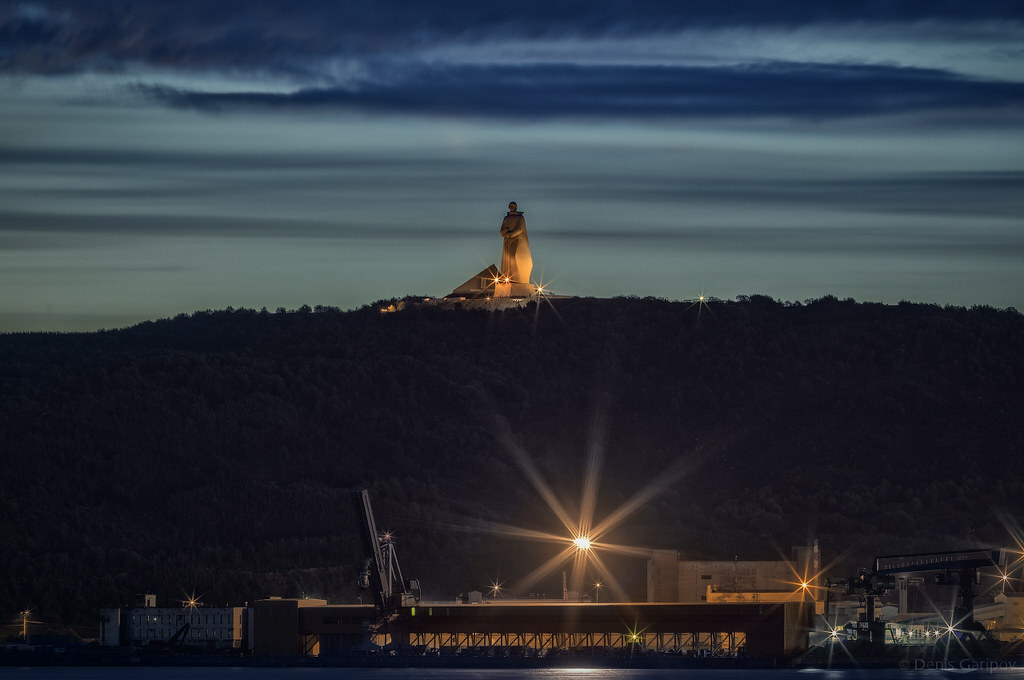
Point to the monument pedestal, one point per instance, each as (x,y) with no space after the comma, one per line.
(488,284)
(521,289)
(513,289)
(481,285)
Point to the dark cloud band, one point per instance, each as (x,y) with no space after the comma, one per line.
(555,90)
(278,35)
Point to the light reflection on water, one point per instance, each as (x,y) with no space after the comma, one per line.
(220,673)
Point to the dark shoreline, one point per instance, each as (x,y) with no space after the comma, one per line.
(96,657)
(91,656)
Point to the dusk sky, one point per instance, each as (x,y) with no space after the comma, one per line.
(162,157)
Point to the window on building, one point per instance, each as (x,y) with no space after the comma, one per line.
(705,577)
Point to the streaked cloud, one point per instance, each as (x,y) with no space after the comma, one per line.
(63,34)
(802,91)
(164,157)
(456,58)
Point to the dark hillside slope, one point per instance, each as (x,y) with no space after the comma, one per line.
(215,452)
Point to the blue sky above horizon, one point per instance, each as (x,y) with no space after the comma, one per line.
(160,158)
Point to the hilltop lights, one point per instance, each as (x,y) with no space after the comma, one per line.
(701,303)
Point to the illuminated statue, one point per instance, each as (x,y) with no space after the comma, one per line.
(516,263)
(513,279)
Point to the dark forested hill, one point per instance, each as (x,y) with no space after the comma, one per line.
(215,453)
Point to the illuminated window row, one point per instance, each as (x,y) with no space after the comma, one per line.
(713,643)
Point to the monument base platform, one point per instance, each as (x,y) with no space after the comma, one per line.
(510,289)
(488,284)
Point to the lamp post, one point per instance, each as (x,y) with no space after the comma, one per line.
(192,603)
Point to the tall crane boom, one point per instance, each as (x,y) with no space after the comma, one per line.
(380,583)
(382,572)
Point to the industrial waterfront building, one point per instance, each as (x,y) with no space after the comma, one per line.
(765,609)
(194,626)
(670,579)
(312,627)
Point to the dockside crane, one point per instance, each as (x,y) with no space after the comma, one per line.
(957,567)
(381,572)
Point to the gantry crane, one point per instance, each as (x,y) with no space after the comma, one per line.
(957,567)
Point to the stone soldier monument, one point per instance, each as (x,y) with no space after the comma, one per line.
(516,263)
(513,279)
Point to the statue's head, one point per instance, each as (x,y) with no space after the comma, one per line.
(513,206)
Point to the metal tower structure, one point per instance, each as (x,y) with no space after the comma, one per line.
(381,572)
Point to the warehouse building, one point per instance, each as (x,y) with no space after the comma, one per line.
(194,626)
